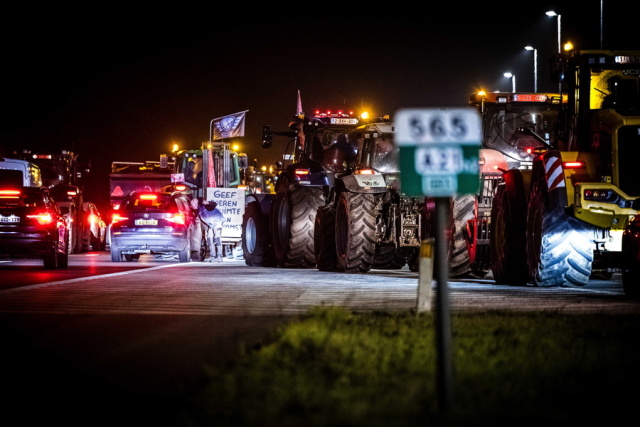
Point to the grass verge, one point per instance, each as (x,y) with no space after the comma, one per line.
(339,368)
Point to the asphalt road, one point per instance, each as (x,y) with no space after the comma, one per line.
(134,336)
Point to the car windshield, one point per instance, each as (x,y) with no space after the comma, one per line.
(514,129)
(150,201)
(385,157)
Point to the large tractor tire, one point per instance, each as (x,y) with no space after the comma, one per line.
(387,257)
(631,259)
(463,211)
(508,241)
(294,216)
(256,247)
(559,247)
(355,232)
(325,239)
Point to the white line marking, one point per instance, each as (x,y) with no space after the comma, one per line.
(81,279)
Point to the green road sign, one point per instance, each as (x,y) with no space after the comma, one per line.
(438,151)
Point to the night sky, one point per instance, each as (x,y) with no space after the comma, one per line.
(120,84)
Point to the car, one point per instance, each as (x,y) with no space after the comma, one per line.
(95,229)
(157,223)
(32,226)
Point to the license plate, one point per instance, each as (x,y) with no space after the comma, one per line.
(344,121)
(146,222)
(9,219)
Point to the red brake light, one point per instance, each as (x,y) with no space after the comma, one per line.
(302,172)
(10,194)
(148,197)
(177,218)
(578,164)
(43,218)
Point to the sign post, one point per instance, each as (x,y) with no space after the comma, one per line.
(439,158)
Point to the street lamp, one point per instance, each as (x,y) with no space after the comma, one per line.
(535,67)
(513,80)
(552,13)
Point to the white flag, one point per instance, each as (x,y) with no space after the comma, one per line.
(231,126)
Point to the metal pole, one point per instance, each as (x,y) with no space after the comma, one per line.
(443,316)
(601,22)
(535,70)
(559,41)
(559,51)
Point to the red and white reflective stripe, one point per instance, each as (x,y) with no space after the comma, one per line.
(553,171)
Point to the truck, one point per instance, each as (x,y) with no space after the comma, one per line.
(214,172)
(366,221)
(65,175)
(127,176)
(568,190)
(19,172)
(278,228)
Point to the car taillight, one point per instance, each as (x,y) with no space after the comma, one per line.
(9,194)
(117,218)
(43,218)
(176,218)
(148,197)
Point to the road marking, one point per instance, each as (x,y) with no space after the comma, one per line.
(82,279)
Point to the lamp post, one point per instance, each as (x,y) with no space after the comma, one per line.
(552,13)
(535,67)
(513,80)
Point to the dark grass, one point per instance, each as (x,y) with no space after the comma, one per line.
(338,368)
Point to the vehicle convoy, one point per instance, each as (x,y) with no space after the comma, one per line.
(64,175)
(366,221)
(278,229)
(32,226)
(568,188)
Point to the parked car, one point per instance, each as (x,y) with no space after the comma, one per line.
(158,223)
(95,229)
(31,226)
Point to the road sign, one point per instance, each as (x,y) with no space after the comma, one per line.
(438,151)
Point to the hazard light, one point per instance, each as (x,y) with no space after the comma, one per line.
(176,219)
(117,218)
(365,172)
